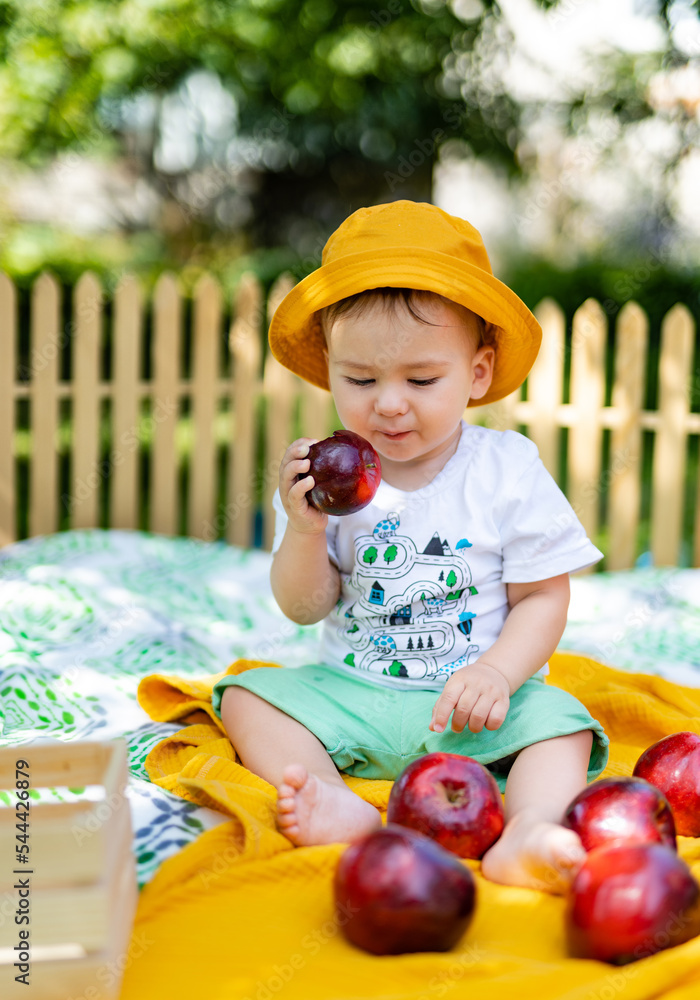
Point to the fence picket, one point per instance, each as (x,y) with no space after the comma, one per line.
(245,347)
(280,388)
(205,371)
(127,337)
(167,337)
(501,415)
(587,398)
(8,368)
(316,412)
(670,446)
(43,366)
(631,350)
(545,385)
(85,459)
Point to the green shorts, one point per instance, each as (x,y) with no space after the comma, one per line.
(373,731)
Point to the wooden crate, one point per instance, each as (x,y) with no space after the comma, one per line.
(81,872)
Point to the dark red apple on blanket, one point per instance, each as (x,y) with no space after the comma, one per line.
(673,765)
(450,798)
(628,901)
(617,810)
(397,891)
(346,471)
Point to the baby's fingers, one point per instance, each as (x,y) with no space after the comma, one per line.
(474,714)
(298,491)
(497,715)
(443,707)
(298,449)
(295,467)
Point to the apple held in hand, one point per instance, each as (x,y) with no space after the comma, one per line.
(614,810)
(396,891)
(628,901)
(346,471)
(450,798)
(673,765)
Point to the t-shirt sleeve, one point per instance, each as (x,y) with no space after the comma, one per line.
(281,526)
(541,535)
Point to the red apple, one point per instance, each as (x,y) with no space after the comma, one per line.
(673,765)
(397,891)
(615,810)
(346,471)
(628,901)
(450,798)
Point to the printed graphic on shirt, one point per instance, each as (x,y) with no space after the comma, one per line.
(407,614)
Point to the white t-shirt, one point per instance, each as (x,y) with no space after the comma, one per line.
(423,573)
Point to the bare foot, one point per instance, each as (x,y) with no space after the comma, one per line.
(313,811)
(534,853)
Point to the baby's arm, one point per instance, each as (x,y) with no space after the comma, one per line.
(304,581)
(480,692)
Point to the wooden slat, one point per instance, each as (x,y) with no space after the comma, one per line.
(625,472)
(315,414)
(82,763)
(670,446)
(8,368)
(127,336)
(500,416)
(564,414)
(96,974)
(696,525)
(587,396)
(85,465)
(280,387)
(246,351)
(167,335)
(545,385)
(43,365)
(205,360)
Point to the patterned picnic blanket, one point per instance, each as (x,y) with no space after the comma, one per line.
(85,614)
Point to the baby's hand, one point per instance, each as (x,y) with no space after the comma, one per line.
(302,516)
(480,696)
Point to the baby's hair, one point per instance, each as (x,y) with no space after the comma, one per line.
(359,302)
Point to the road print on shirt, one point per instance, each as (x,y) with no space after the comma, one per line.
(400,596)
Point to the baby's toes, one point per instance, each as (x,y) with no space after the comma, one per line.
(286,820)
(286,804)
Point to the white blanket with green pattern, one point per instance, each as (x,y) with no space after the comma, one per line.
(86,614)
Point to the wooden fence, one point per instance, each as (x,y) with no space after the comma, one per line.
(251,415)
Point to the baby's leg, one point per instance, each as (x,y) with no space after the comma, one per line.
(314,805)
(534,850)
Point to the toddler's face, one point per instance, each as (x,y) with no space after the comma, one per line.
(404,385)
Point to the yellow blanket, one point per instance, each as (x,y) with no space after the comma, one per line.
(241,914)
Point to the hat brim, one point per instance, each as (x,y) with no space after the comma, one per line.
(297,341)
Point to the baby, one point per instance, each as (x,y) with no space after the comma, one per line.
(445,596)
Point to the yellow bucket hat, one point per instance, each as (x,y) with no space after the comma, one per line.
(406,244)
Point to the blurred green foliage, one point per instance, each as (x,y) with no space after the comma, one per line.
(328,100)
